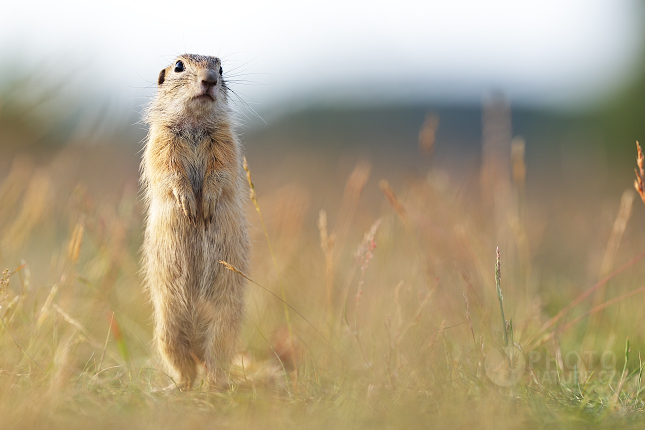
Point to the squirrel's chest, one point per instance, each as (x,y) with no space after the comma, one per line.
(195,166)
(195,172)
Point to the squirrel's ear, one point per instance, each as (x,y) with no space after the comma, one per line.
(162,77)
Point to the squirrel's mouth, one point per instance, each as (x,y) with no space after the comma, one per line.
(205,97)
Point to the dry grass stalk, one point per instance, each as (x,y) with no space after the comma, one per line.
(252,193)
(34,205)
(470,321)
(620,224)
(67,317)
(364,255)
(22,349)
(45,307)
(416,316)
(107,338)
(397,303)
(623,376)
(74,247)
(498,279)
(639,183)
(4,283)
(354,187)
(394,202)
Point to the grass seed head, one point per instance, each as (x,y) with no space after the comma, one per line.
(639,183)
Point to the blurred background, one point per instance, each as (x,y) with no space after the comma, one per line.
(96,64)
(350,74)
(81,72)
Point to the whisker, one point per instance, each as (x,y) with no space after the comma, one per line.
(246,105)
(245,63)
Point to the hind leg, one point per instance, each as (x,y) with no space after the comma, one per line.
(220,341)
(169,277)
(172,333)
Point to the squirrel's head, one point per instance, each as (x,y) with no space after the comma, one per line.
(191,91)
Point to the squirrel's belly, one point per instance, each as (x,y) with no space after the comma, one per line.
(166,221)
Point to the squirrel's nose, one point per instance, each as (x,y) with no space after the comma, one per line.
(208,77)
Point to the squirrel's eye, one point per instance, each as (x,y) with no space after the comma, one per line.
(220,70)
(179,67)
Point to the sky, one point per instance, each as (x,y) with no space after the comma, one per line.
(547,52)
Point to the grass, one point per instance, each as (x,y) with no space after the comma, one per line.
(372,303)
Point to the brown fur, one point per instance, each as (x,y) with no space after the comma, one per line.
(193,185)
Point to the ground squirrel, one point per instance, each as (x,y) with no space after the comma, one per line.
(193,184)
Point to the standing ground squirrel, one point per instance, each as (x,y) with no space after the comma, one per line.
(193,185)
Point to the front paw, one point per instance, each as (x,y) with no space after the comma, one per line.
(188,204)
